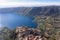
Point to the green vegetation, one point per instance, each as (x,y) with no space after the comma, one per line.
(5,33)
(48,27)
(52,31)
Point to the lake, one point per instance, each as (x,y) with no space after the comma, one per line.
(13,20)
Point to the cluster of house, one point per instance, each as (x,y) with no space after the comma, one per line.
(25,33)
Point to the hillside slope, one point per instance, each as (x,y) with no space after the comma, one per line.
(46,10)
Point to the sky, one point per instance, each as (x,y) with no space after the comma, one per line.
(27,3)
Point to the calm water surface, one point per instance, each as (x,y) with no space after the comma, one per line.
(13,20)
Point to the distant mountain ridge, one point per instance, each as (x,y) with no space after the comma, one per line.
(47,11)
(33,11)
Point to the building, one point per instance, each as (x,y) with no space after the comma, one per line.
(25,33)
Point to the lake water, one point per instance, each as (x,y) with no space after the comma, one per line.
(13,20)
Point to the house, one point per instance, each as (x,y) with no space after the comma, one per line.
(25,33)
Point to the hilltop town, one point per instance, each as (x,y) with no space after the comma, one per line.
(25,33)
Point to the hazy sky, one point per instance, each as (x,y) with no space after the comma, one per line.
(35,0)
(15,3)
